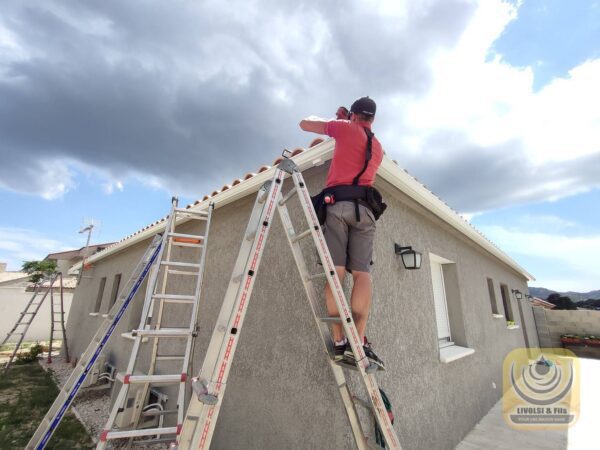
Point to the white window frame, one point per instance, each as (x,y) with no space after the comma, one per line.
(448,351)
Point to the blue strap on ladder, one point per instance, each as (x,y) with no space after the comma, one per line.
(90,364)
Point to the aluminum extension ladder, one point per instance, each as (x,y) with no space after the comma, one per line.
(57,317)
(71,387)
(164,357)
(28,315)
(209,386)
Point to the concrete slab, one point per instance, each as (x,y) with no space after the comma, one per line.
(492,432)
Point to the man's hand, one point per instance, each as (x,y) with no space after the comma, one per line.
(314,124)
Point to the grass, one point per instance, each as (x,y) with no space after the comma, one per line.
(26,394)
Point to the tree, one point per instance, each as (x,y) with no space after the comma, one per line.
(38,270)
(561,301)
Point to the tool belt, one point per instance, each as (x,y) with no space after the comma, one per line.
(365,195)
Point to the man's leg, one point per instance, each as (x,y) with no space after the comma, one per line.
(361,300)
(332,310)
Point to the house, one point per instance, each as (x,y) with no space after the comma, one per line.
(67,259)
(442,331)
(542,303)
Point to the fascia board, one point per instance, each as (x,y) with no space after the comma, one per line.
(393,174)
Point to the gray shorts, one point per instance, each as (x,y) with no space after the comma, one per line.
(350,242)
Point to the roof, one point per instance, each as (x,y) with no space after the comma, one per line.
(320,151)
(8,276)
(78,253)
(543,303)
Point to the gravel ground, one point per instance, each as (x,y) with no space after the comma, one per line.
(91,407)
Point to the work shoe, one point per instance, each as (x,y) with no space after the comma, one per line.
(369,353)
(340,349)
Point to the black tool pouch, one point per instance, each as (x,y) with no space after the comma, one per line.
(375,202)
(320,206)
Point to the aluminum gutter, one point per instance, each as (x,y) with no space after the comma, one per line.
(315,156)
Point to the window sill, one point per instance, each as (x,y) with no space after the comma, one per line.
(94,314)
(512,327)
(498,316)
(454,352)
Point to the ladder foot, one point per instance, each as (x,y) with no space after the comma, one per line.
(208,399)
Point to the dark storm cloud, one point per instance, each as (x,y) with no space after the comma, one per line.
(193,94)
(473,179)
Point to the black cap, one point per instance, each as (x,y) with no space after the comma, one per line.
(364,105)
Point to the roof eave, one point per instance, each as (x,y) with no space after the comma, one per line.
(316,156)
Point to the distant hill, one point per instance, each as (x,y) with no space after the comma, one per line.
(543,293)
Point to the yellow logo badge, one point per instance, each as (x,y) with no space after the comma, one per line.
(541,388)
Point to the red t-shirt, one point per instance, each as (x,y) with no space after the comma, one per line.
(349,153)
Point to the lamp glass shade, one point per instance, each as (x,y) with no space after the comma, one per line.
(518,295)
(411,259)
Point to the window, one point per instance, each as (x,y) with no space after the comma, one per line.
(100,295)
(441,304)
(506,302)
(448,310)
(490,284)
(115,290)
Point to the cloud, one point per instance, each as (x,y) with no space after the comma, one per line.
(569,262)
(20,244)
(482,138)
(192,95)
(188,96)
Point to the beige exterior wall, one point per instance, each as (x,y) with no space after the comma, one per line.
(14,299)
(280,393)
(551,324)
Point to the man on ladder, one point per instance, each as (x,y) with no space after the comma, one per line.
(351,213)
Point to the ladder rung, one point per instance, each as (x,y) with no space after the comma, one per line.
(106,435)
(181,272)
(159,413)
(202,215)
(302,235)
(170,357)
(165,332)
(315,276)
(180,264)
(331,319)
(175,297)
(289,195)
(162,379)
(197,237)
(188,244)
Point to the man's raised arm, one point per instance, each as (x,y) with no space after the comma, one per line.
(314,124)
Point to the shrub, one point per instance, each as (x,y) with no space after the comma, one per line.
(31,355)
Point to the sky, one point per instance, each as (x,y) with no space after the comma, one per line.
(108,108)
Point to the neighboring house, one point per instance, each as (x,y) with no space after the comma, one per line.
(441,330)
(65,260)
(543,303)
(15,292)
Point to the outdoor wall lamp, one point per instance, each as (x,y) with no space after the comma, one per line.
(529,297)
(518,294)
(410,258)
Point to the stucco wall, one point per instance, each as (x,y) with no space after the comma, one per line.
(552,324)
(13,301)
(280,393)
